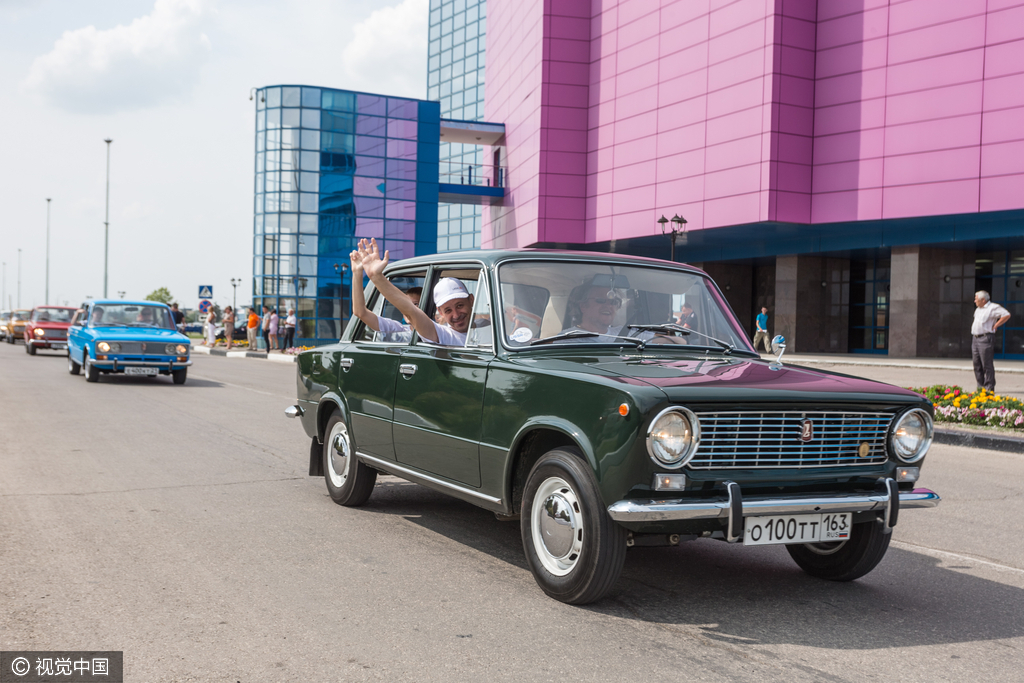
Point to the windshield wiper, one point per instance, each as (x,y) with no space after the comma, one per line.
(584,334)
(685,331)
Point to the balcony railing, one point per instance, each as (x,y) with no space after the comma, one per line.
(457,173)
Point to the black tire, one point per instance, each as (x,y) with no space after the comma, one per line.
(179,376)
(574,549)
(73,367)
(92,374)
(846,560)
(349,481)
(30,349)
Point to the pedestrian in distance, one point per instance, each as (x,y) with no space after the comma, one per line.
(761,335)
(687,318)
(252,328)
(266,327)
(178,317)
(274,320)
(211,328)
(229,325)
(289,329)
(988,317)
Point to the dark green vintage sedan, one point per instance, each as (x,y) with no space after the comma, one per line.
(610,402)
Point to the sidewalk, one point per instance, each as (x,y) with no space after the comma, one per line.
(872,360)
(275,357)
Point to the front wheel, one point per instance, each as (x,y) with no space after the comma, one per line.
(30,349)
(574,549)
(179,376)
(349,481)
(91,373)
(73,367)
(845,560)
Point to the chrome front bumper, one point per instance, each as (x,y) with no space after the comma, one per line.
(759,506)
(116,365)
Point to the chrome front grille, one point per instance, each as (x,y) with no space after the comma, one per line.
(772,439)
(135,348)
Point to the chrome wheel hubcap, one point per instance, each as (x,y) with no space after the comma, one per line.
(557,526)
(340,451)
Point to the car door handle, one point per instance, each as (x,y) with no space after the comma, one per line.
(346,363)
(407,369)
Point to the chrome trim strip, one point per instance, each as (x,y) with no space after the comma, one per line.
(412,475)
(674,510)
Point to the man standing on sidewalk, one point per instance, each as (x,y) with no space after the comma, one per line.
(988,317)
(761,335)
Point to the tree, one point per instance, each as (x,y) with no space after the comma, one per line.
(162,295)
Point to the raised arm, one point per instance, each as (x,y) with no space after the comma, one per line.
(373,266)
(359,308)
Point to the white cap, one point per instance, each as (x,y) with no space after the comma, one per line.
(448,288)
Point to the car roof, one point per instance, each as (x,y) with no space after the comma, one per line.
(67,308)
(127,302)
(492,257)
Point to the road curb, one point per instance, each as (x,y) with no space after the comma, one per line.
(951,437)
(262,355)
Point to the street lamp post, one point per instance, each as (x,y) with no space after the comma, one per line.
(678,226)
(341,270)
(19,278)
(234,292)
(106,223)
(3,295)
(47,251)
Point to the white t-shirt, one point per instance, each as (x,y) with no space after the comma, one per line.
(446,336)
(393,331)
(985,318)
(291,321)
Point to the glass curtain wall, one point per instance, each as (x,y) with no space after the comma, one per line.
(455,77)
(333,166)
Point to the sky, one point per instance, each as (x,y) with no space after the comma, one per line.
(169,82)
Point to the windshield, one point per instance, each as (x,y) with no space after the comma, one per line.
(53,315)
(21,315)
(570,302)
(130,315)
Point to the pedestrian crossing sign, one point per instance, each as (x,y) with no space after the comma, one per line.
(205,292)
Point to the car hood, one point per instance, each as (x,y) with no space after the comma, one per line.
(138,334)
(734,379)
(51,325)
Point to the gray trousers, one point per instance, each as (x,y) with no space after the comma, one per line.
(762,335)
(983,350)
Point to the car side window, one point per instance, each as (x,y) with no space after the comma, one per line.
(481,330)
(393,327)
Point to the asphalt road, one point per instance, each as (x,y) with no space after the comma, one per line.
(177,523)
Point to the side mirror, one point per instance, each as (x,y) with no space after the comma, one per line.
(779,346)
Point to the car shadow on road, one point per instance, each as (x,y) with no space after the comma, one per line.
(909,600)
(158,381)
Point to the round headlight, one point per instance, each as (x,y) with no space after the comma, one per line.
(912,435)
(104,347)
(39,332)
(673,437)
(182,349)
(171,349)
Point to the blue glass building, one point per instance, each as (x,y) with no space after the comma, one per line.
(333,166)
(455,78)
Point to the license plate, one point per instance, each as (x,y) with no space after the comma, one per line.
(140,371)
(59,347)
(785,529)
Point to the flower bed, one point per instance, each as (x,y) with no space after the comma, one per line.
(953,404)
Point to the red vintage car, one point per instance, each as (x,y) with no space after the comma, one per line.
(48,328)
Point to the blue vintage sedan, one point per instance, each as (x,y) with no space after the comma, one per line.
(126,337)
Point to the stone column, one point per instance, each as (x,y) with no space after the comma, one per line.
(785,299)
(904,301)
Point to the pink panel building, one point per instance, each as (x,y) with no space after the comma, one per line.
(857,166)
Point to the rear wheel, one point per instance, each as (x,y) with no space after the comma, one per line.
(179,376)
(73,367)
(574,549)
(92,374)
(349,481)
(845,560)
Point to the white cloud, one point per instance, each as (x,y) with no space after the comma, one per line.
(384,45)
(155,59)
